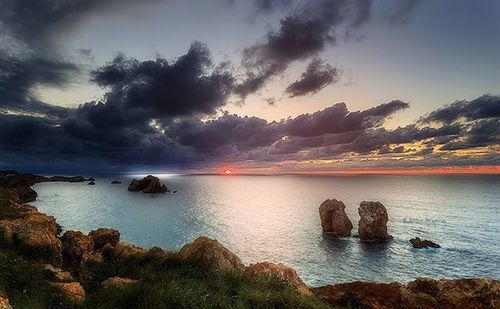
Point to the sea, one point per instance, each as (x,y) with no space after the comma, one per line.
(276,218)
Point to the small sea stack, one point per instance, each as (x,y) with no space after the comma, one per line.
(334,220)
(149,184)
(423,243)
(91,183)
(116,182)
(373,222)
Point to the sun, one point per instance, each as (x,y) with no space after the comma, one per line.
(228,172)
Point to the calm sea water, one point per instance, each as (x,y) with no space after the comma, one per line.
(276,218)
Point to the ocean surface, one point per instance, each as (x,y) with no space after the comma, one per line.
(276,218)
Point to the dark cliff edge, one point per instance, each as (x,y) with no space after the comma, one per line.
(42,268)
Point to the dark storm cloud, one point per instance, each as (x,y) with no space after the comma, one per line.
(302,34)
(252,132)
(267,6)
(486,106)
(29,55)
(161,88)
(317,76)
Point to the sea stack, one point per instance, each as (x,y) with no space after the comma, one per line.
(334,219)
(373,222)
(149,184)
(423,243)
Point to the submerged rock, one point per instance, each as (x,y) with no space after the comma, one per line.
(423,243)
(76,246)
(103,236)
(210,255)
(334,220)
(149,184)
(117,282)
(281,271)
(373,222)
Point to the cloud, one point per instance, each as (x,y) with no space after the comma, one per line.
(317,76)
(304,33)
(486,106)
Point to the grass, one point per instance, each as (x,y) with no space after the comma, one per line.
(171,284)
(24,283)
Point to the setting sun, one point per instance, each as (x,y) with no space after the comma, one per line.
(227,172)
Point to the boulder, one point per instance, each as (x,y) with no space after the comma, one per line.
(361,295)
(149,184)
(423,293)
(210,255)
(373,222)
(56,274)
(124,250)
(103,236)
(281,271)
(95,257)
(4,302)
(334,220)
(35,231)
(76,246)
(73,290)
(461,293)
(423,243)
(117,282)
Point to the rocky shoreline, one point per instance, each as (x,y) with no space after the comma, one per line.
(83,268)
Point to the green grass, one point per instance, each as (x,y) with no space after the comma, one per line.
(171,284)
(24,283)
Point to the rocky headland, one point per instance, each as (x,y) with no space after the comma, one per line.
(41,267)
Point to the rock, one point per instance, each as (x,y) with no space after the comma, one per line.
(25,193)
(148,184)
(281,271)
(91,179)
(75,179)
(334,219)
(373,222)
(95,257)
(423,293)
(461,293)
(124,250)
(56,274)
(114,182)
(423,243)
(117,282)
(103,236)
(76,246)
(158,254)
(210,255)
(35,230)
(361,295)
(73,290)
(91,183)
(4,302)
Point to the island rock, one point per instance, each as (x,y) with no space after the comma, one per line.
(334,220)
(373,222)
(114,182)
(149,184)
(423,243)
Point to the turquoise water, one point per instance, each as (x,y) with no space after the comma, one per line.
(276,218)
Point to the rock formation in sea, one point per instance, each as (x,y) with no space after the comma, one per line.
(91,183)
(334,220)
(423,243)
(373,222)
(149,184)
(115,182)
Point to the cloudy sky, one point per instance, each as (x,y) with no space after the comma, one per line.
(258,86)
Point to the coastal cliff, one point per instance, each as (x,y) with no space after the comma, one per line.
(42,268)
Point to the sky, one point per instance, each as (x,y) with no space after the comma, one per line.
(261,86)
